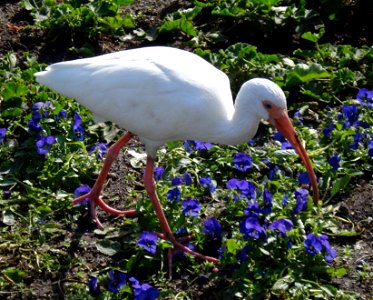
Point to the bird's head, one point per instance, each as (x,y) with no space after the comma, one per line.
(271,106)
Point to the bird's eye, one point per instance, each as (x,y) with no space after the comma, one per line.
(267,105)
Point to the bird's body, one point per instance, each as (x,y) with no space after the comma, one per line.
(159,94)
(162,94)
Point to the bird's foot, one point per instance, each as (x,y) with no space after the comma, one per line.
(98,201)
(179,247)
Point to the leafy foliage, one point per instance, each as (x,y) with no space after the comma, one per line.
(81,21)
(244,204)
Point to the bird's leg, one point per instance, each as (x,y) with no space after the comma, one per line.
(151,189)
(94,194)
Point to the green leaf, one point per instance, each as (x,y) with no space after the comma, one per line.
(302,73)
(313,37)
(282,285)
(339,184)
(264,251)
(27,4)
(14,112)
(14,90)
(337,272)
(123,2)
(328,290)
(7,182)
(348,233)
(8,219)
(285,153)
(15,274)
(182,25)
(232,246)
(108,247)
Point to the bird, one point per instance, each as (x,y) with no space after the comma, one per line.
(162,94)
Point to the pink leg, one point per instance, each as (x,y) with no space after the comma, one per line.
(151,189)
(94,194)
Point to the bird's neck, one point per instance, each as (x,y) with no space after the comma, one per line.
(241,127)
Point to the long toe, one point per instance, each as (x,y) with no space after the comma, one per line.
(181,247)
(95,201)
(110,210)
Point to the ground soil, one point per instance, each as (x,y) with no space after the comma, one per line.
(355,208)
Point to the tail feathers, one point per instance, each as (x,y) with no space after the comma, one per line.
(67,81)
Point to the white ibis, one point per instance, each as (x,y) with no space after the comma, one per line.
(162,94)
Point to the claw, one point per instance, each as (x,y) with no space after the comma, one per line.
(105,207)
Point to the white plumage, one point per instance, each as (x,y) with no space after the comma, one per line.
(162,94)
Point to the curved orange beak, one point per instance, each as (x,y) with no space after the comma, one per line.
(280,119)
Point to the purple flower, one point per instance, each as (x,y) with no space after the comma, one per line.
(81,190)
(286,146)
(267,202)
(357,139)
(365,97)
(328,130)
(2,134)
(272,172)
(143,291)
(36,116)
(148,241)
(61,114)
(37,105)
(187,178)
(40,105)
(251,228)
(253,208)
(243,254)
(242,161)
(191,207)
(273,169)
(101,150)
(34,123)
(191,145)
(33,126)
(246,189)
(78,130)
(284,200)
(6,194)
(334,161)
(328,252)
(174,195)
(237,184)
(212,227)
(303,178)
(279,137)
(158,173)
(282,225)
(94,287)
(312,244)
(116,281)
(298,117)
(181,231)
(176,181)
(44,144)
(370,148)
(301,196)
(206,181)
(351,115)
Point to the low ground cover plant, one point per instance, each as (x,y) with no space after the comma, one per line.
(249,205)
